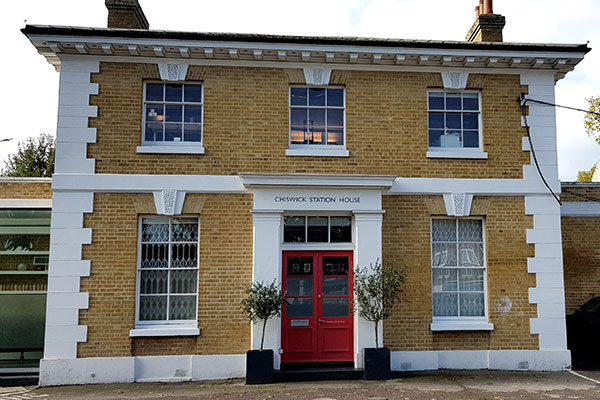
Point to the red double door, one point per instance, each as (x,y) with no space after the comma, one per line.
(317,323)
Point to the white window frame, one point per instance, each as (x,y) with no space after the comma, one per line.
(460,323)
(316,150)
(172,147)
(166,327)
(317,245)
(457,152)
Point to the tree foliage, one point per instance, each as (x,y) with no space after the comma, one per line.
(592,121)
(262,302)
(34,158)
(586,176)
(376,290)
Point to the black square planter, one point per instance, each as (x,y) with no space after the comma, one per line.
(259,366)
(377,364)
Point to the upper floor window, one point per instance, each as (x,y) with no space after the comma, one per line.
(172,114)
(317,116)
(454,120)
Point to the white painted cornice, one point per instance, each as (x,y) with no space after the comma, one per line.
(312,180)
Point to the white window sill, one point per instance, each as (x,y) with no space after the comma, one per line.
(316,152)
(462,326)
(164,331)
(458,153)
(176,149)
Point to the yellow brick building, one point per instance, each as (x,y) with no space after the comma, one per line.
(192,164)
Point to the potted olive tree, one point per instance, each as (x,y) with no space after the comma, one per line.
(376,289)
(262,302)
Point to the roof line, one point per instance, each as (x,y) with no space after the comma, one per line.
(264,38)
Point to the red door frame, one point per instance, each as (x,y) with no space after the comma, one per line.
(319,338)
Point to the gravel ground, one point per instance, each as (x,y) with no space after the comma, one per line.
(444,385)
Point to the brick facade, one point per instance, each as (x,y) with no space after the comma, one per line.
(246,124)
(225,268)
(15,188)
(407,243)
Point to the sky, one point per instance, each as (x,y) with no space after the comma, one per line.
(30,86)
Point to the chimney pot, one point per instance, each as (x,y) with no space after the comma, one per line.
(126,14)
(487,7)
(477,12)
(488,26)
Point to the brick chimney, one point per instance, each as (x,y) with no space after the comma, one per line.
(126,14)
(488,26)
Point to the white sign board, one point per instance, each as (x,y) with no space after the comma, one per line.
(321,199)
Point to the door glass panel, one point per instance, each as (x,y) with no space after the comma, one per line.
(299,266)
(299,308)
(335,265)
(335,286)
(299,286)
(335,307)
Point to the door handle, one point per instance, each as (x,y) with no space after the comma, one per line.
(321,320)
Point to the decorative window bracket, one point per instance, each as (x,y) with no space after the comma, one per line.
(458,204)
(456,80)
(317,75)
(172,72)
(169,202)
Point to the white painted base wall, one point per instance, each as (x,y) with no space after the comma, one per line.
(514,360)
(141,369)
(198,368)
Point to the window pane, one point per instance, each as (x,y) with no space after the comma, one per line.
(443,230)
(299,308)
(155,255)
(317,229)
(193,114)
(154,112)
(470,121)
(450,139)
(335,97)
(470,230)
(184,230)
(435,138)
(316,97)
(443,254)
(184,255)
(153,308)
(436,120)
(453,101)
(173,132)
(335,118)
(471,280)
(300,265)
(174,113)
(471,101)
(298,117)
(335,286)
(316,118)
(174,92)
(316,135)
(445,280)
(472,305)
(299,286)
(153,281)
(154,92)
(453,120)
(299,135)
(298,96)
(335,266)
(341,229)
(294,229)
(192,133)
(471,139)
(335,307)
(155,231)
(182,307)
(436,101)
(335,136)
(184,281)
(193,93)
(445,305)
(154,132)
(470,254)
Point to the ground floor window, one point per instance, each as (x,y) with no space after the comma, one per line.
(458,268)
(167,271)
